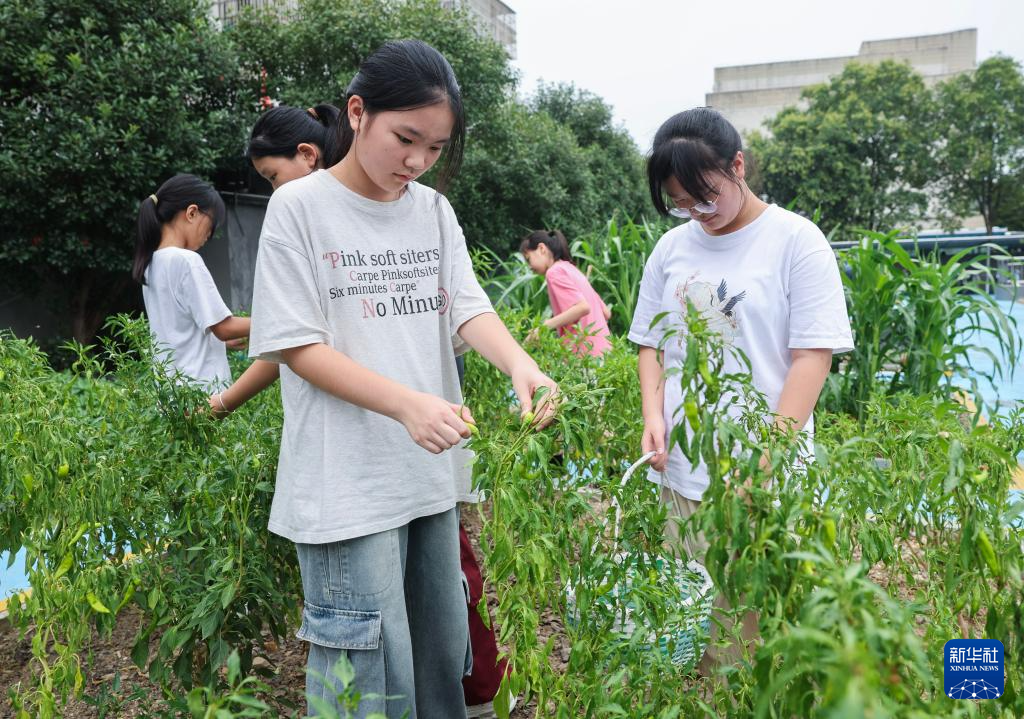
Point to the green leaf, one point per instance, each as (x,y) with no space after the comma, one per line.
(210,623)
(140,651)
(227,595)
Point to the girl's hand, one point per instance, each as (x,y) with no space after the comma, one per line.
(533,335)
(239,343)
(217,407)
(434,423)
(526,380)
(653,440)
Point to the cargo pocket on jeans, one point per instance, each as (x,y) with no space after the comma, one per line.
(352,634)
(340,628)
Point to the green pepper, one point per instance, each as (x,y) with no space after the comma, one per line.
(692,415)
(830,530)
(988,553)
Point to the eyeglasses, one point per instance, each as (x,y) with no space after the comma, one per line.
(701,208)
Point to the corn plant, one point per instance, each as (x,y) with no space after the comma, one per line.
(914,318)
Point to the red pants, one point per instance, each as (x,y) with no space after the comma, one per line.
(480,686)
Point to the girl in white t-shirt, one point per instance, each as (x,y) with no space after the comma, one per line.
(364,293)
(765,277)
(188,317)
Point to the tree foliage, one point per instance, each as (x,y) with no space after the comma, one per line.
(311,53)
(99,103)
(613,158)
(858,151)
(981,140)
(876,148)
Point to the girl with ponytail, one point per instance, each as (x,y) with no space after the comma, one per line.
(286,143)
(364,294)
(578,313)
(188,317)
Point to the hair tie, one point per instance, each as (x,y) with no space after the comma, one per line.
(312,112)
(153,198)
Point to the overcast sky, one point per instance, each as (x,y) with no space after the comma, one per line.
(652,58)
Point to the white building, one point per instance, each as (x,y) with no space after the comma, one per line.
(750,94)
(495,17)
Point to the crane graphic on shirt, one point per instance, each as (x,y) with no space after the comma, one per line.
(714,304)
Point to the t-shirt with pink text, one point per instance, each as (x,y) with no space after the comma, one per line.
(388,284)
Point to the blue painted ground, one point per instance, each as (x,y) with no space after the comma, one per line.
(13,579)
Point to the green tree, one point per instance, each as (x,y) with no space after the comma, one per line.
(99,103)
(981,149)
(522,171)
(311,53)
(613,158)
(1009,209)
(860,151)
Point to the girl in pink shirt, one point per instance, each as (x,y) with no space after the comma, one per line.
(579,315)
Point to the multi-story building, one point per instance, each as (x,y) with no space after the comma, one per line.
(495,18)
(750,94)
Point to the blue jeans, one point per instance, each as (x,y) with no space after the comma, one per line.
(394,604)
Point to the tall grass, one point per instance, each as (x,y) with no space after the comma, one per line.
(914,320)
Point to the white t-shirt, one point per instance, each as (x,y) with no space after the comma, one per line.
(182,303)
(388,284)
(769,287)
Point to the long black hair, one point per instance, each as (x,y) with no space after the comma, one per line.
(279,131)
(160,208)
(554,240)
(405,75)
(690,146)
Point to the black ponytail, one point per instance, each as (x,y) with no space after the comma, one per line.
(691,146)
(553,239)
(279,131)
(160,208)
(405,75)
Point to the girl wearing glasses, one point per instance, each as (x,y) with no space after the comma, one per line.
(764,277)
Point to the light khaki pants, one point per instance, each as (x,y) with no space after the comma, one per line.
(696,547)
